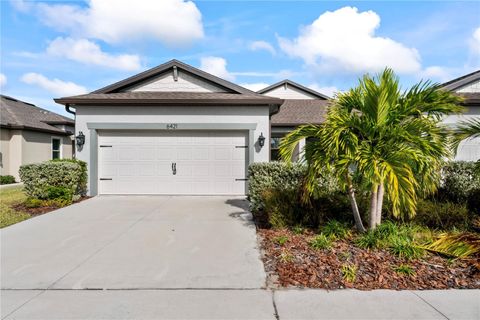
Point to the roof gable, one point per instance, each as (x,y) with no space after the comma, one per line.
(462,83)
(288,89)
(174,76)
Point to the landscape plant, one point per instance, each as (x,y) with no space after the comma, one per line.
(381,140)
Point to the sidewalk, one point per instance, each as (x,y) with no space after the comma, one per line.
(239,304)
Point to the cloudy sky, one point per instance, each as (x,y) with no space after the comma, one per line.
(51,49)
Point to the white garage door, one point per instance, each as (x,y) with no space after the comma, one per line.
(172,162)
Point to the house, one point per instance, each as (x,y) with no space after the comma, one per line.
(301,105)
(173,129)
(467,86)
(31,134)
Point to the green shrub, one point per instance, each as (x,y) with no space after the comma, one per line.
(405,248)
(368,240)
(320,242)
(53,193)
(336,230)
(272,176)
(37,178)
(442,215)
(7,179)
(33,203)
(459,179)
(82,184)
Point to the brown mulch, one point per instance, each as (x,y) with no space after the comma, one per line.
(41,210)
(296,264)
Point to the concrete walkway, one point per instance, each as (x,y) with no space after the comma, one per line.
(239,304)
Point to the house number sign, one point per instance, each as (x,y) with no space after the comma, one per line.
(172,126)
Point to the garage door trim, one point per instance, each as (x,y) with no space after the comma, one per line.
(94,126)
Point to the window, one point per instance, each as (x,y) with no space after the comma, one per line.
(274,148)
(56,148)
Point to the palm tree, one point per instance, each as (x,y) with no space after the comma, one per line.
(382,139)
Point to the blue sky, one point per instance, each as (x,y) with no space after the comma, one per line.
(57,48)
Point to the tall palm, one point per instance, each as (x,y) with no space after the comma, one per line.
(392,141)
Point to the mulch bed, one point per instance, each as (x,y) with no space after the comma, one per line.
(41,210)
(296,264)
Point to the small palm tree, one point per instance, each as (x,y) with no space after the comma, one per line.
(388,141)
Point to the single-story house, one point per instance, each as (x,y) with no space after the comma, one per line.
(29,134)
(173,129)
(467,86)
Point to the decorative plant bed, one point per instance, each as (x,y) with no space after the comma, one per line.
(294,260)
(42,209)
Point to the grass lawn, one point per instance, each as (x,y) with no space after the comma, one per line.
(9,197)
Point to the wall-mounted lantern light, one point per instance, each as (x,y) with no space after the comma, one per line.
(80,139)
(261,140)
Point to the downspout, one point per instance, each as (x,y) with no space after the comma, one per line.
(67,108)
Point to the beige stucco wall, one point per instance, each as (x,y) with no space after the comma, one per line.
(4,151)
(20,147)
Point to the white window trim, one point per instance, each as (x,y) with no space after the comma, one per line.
(60,146)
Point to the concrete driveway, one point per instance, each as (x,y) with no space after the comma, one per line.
(135,242)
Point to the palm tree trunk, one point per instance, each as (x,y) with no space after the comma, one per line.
(373,207)
(380,195)
(353,202)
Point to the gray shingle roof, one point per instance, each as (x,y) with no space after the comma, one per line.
(170,98)
(295,112)
(17,114)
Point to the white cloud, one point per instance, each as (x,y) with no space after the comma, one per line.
(216,66)
(475,41)
(56,86)
(262,45)
(172,22)
(255,86)
(345,40)
(3,79)
(21,5)
(436,73)
(88,52)
(328,90)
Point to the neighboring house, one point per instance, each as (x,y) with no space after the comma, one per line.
(30,134)
(301,105)
(467,86)
(173,129)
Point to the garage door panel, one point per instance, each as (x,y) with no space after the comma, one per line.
(140,162)
(165,153)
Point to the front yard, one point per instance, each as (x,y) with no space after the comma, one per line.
(9,198)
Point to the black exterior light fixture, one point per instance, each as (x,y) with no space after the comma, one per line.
(261,140)
(80,139)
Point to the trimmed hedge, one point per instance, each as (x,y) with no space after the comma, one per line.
(266,176)
(7,179)
(43,180)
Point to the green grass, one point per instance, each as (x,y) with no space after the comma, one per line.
(9,197)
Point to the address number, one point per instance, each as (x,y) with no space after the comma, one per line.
(172,126)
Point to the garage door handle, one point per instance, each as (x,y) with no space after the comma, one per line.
(106,179)
(174,168)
